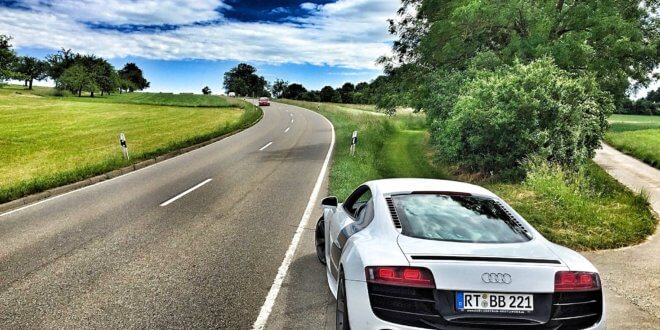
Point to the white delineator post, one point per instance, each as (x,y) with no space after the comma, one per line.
(124,147)
(354,140)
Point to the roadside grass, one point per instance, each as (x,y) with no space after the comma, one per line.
(587,210)
(635,135)
(47,142)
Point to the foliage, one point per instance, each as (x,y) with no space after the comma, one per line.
(31,68)
(649,105)
(206,90)
(132,73)
(76,79)
(295,92)
(346,92)
(504,117)
(328,94)
(7,59)
(244,81)
(60,61)
(614,40)
(278,88)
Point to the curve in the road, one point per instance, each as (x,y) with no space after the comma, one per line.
(109,255)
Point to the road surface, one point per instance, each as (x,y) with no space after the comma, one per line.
(631,276)
(192,242)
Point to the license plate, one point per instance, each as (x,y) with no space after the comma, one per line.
(494,302)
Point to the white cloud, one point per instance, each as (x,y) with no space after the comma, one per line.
(309,6)
(144,12)
(347,33)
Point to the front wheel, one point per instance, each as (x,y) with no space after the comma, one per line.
(342,305)
(320,240)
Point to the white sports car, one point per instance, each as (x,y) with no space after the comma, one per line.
(433,254)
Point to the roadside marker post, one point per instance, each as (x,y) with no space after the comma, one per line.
(354,140)
(124,147)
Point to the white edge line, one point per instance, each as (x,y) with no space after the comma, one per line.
(266,146)
(267,307)
(287,129)
(170,201)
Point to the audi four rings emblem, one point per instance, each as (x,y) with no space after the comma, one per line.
(502,278)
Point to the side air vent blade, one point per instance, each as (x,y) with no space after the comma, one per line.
(395,216)
(515,220)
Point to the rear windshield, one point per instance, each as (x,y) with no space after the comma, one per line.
(456,218)
(263,99)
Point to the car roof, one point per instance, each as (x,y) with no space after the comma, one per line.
(391,186)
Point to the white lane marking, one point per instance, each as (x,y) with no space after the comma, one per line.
(170,201)
(266,146)
(287,129)
(291,121)
(291,114)
(267,307)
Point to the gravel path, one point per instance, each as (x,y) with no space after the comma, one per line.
(631,275)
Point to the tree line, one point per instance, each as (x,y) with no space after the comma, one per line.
(244,81)
(70,71)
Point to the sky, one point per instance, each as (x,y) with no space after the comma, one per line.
(184,45)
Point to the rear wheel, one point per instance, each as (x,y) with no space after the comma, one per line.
(342,305)
(320,240)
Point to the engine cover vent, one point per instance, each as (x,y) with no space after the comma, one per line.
(395,216)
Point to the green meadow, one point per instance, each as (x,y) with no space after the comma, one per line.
(638,136)
(47,141)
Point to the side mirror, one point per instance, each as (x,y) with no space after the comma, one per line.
(330,201)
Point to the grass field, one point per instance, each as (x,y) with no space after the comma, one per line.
(585,211)
(46,141)
(638,136)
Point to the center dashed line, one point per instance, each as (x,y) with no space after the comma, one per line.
(287,129)
(266,146)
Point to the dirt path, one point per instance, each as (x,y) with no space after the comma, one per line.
(631,276)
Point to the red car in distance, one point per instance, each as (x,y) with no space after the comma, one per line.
(264,101)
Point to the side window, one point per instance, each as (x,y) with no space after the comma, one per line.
(365,214)
(358,198)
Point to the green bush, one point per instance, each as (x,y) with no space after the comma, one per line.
(506,116)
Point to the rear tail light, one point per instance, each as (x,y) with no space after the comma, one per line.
(576,281)
(403,276)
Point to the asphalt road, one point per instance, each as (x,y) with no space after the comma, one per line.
(126,253)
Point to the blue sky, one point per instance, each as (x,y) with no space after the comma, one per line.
(184,45)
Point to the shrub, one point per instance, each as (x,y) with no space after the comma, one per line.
(514,113)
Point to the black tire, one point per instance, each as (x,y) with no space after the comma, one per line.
(342,305)
(319,240)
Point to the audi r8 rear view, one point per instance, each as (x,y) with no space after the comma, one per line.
(434,254)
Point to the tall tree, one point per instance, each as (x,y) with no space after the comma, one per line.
(7,59)
(615,40)
(131,72)
(346,92)
(279,86)
(106,77)
(244,81)
(60,61)
(76,79)
(294,92)
(327,94)
(31,69)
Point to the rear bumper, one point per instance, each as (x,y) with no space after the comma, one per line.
(362,316)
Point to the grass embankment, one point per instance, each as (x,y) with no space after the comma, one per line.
(638,136)
(47,142)
(586,211)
